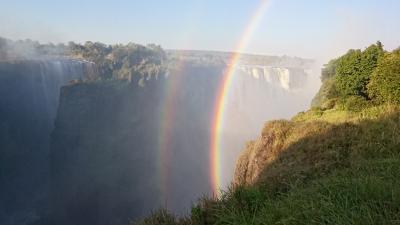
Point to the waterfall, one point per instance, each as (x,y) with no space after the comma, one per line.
(29,96)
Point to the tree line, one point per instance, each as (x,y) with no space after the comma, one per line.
(360,77)
(130,61)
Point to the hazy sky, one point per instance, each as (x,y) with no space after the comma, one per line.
(307,28)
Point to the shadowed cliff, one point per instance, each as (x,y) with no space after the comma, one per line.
(29,91)
(105,151)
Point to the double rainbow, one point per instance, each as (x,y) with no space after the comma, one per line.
(222,95)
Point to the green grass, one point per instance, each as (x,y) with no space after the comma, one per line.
(322,167)
(368,193)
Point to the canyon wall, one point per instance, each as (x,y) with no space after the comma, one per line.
(29,91)
(84,148)
(123,148)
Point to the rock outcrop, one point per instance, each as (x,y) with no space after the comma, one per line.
(261,152)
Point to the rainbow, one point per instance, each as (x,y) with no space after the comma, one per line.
(222,95)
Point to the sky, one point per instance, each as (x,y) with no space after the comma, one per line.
(306,28)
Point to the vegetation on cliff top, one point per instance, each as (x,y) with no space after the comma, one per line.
(338,163)
(121,62)
(133,62)
(371,75)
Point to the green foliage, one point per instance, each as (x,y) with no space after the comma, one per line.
(349,79)
(238,205)
(348,75)
(353,103)
(354,70)
(367,193)
(160,217)
(385,81)
(131,62)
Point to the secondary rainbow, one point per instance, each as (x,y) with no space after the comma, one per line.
(167,118)
(222,94)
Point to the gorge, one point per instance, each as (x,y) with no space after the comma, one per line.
(105,138)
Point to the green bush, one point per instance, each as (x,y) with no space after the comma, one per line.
(349,79)
(355,68)
(385,81)
(347,75)
(354,103)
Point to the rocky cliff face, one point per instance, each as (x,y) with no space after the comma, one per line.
(121,149)
(102,154)
(29,91)
(106,156)
(260,153)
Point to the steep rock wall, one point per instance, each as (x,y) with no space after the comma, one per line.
(108,163)
(29,91)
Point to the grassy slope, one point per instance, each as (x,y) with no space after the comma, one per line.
(322,167)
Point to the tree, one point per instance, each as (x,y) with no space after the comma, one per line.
(348,77)
(384,85)
(355,68)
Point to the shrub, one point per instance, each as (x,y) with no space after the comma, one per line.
(354,103)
